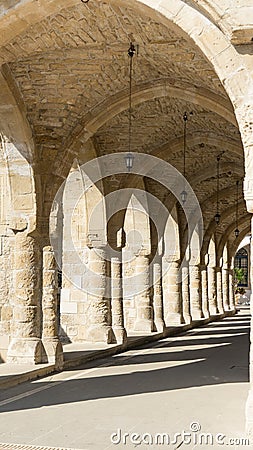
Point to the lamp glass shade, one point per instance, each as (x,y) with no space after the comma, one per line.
(237,232)
(129,159)
(183,196)
(217,218)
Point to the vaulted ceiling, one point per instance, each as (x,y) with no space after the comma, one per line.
(73,66)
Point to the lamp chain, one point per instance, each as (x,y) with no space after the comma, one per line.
(185,117)
(131,52)
(237,191)
(218,182)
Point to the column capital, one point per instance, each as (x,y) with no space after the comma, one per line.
(195,265)
(99,246)
(172,259)
(143,252)
(17,223)
(117,258)
(248,193)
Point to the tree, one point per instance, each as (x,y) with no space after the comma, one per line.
(239,278)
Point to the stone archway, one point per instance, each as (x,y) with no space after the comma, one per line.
(98,113)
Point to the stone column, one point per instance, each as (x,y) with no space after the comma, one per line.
(186,295)
(52,346)
(249,405)
(172,293)
(158,297)
(117,300)
(225,287)
(204,287)
(195,292)
(244,113)
(25,346)
(219,290)
(212,290)
(231,290)
(100,329)
(144,321)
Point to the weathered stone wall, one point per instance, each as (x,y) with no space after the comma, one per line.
(6,259)
(79,239)
(138,242)
(6,292)
(74,304)
(129,300)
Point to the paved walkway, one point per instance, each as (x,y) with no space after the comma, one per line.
(76,354)
(195,383)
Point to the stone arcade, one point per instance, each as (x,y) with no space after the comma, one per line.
(64,103)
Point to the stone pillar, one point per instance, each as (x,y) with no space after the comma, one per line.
(158,297)
(100,329)
(25,346)
(186,295)
(245,117)
(172,293)
(212,290)
(204,287)
(231,290)
(219,290)
(225,287)
(249,404)
(195,292)
(117,300)
(144,321)
(52,346)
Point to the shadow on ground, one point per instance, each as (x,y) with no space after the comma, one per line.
(216,354)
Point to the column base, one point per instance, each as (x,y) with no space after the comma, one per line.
(227,309)
(25,351)
(187,319)
(120,335)
(98,333)
(145,325)
(206,314)
(53,352)
(213,311)
(197,315)
(174,319)
(160,326)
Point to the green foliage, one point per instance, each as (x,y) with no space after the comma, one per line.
(239,275)
(239,278)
